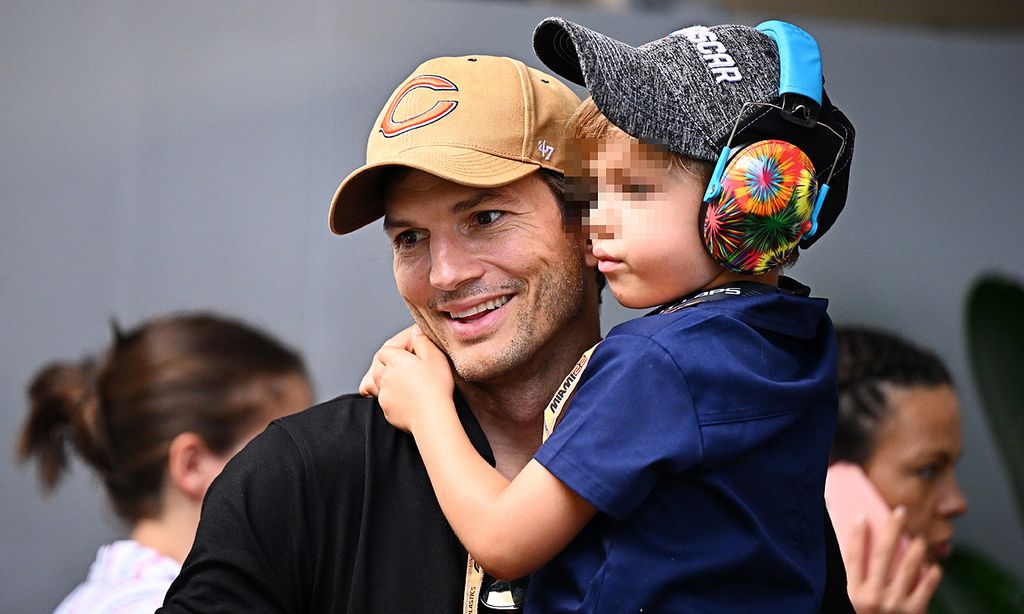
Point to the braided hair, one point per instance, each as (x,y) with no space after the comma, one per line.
(870,362)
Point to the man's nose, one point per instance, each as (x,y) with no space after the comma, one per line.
(452,262)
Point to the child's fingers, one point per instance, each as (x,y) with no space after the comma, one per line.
(368,386)
(393,356)
(396,367)
(423,347)
(401,339)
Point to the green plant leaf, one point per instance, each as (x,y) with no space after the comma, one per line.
(995,337)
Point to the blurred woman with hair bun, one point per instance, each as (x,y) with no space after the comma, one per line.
(157,416)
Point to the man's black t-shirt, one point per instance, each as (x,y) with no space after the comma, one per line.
(328,510)
(331,510)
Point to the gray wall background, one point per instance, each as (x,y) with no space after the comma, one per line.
(163,156)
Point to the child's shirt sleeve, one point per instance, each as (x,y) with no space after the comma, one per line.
(631,422)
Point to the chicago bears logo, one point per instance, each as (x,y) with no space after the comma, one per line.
(389,127)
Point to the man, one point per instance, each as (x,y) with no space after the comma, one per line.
(331,510)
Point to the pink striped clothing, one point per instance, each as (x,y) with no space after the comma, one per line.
(126,578)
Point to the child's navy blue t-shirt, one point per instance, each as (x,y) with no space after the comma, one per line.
(702,438)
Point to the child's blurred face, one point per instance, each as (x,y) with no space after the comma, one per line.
(643,223)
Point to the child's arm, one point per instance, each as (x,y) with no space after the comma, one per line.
(511,529)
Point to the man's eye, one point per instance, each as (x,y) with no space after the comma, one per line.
(407,238)
(485,218)
(927,472)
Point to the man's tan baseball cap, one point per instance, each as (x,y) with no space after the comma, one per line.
(479,121)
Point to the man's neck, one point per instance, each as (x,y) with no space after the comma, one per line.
(512,419)
(511,411)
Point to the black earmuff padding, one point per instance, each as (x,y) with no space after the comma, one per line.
(820,145)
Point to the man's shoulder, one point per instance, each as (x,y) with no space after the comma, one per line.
(343,420)
(345,432)
(334,442)
(346,409)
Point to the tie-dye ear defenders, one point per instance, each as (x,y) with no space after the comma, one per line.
(764,196)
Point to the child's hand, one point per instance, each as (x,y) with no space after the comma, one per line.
(413,385)
(368,386)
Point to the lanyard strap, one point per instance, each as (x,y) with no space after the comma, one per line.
(737,289)
(471,593)
(554,409)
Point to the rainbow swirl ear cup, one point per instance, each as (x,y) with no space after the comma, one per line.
(763,209)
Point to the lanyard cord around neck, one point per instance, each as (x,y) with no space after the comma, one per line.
(787,285)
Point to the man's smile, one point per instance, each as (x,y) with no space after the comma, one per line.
(468,312)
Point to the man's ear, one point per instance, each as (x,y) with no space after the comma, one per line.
(191,466)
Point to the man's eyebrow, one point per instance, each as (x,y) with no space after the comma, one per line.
(478,199)
(481,198)
(392,223)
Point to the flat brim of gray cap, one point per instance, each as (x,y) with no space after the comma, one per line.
(660,92)
(555,45)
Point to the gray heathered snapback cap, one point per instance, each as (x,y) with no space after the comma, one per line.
(687,91)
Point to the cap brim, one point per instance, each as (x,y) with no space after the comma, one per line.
(558,43)
(618,76)
(359,199)
(556,48)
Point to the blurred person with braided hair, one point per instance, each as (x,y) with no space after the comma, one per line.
(157,416)
(898,427)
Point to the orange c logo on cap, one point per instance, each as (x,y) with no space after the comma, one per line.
(389,127)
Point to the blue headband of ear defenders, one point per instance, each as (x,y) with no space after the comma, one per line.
(800,86)
(799,60)
(799,74)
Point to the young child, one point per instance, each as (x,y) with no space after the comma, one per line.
(686,473)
